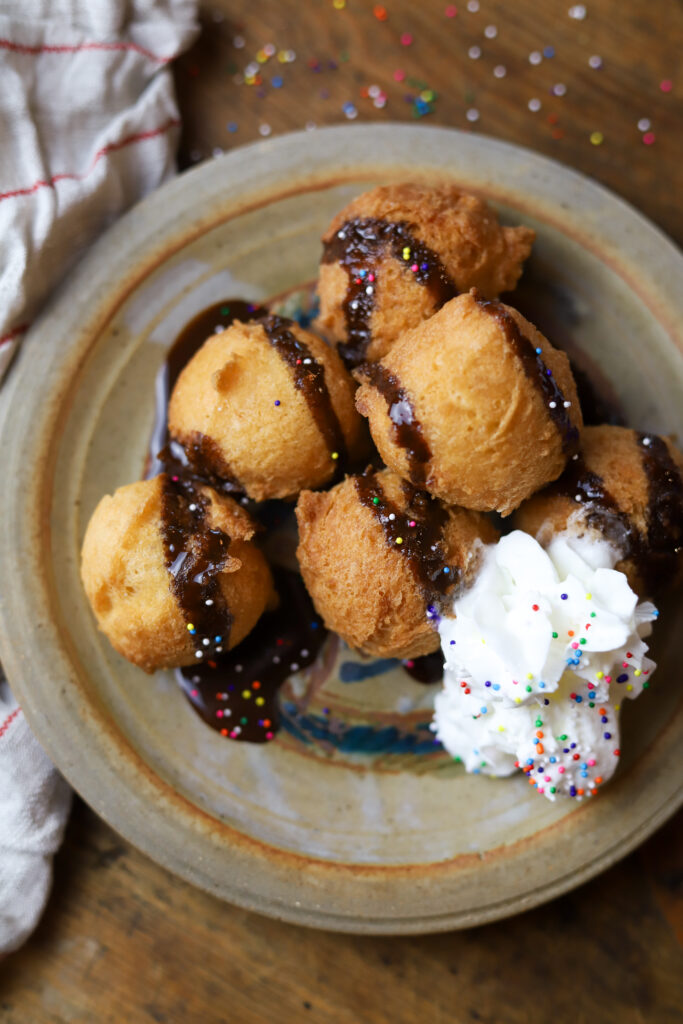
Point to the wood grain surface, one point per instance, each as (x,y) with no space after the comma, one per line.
(340,53)
(122,940)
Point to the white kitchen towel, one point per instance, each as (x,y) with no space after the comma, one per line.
(34,803)
(88,125)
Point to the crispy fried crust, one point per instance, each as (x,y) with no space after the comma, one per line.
(362,587)
(476,251)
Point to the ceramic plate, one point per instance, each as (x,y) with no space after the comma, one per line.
(351,819)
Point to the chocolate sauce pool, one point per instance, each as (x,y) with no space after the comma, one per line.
(236,693)
(427,669)
(359,246)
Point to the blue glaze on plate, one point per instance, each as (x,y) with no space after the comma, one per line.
(347,738)
(356,672)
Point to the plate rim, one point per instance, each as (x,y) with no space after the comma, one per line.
(26,529)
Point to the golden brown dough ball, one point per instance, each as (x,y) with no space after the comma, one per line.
(466,406)
(625,486)
(268,405)
(159,558)
(394,255)
(378,557)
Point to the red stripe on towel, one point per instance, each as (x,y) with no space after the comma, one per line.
(112,147)
(33,51)
(13,333)
(8,721)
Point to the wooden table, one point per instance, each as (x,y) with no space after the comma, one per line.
(122,940)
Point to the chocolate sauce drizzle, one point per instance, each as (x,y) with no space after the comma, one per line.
(406,429)
(359,246)
(545,302)
(196,554)
(309,379)
(199,458)
(653,550)
(237,693)
(536,370)
(416,532)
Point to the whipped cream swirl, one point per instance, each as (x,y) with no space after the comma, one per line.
(540,651)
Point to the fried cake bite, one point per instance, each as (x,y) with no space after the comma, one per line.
(268,406)
(395,254)
(172,573)
(624,486)
(474,405)
(378,557)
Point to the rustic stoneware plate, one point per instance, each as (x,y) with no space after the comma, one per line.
(351,819)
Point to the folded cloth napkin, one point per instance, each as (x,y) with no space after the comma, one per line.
(88,125)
